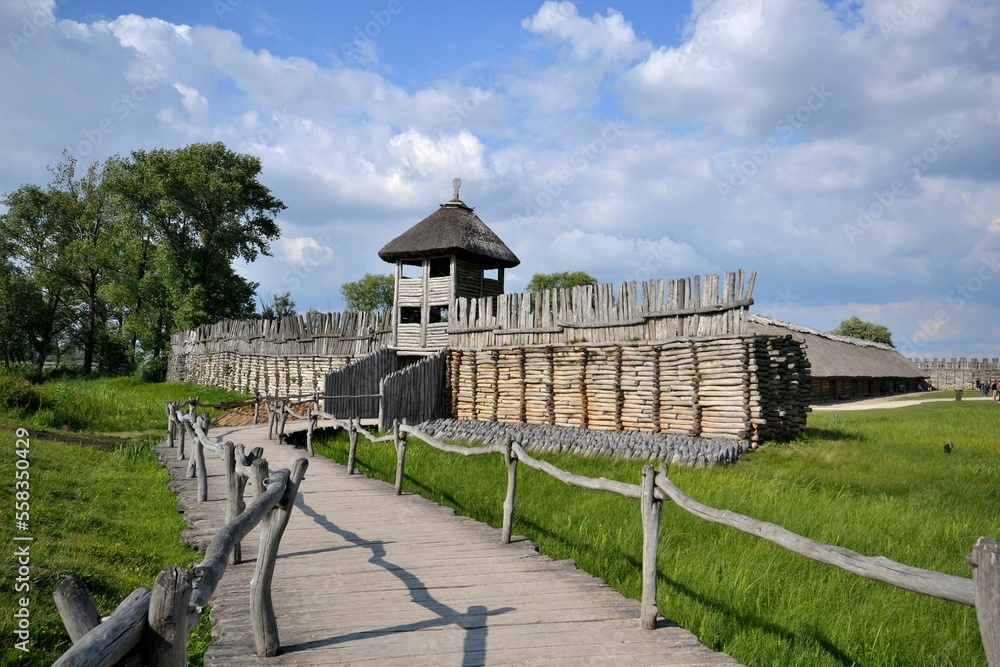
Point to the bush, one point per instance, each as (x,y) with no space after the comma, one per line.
(16,392)
(153,369)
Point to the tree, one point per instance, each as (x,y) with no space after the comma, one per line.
(200,208)
(544,281)
(277,307)
(66,238)
(115,258)
(372,292)
(855,327)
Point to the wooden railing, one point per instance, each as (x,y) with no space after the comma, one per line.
(982,591)
(151,626)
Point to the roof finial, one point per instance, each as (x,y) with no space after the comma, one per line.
(456,183)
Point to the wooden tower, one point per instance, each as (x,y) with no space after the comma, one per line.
(448,254)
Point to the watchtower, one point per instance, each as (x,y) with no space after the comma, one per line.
(450,253)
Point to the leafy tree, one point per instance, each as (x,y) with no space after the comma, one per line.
(20,324)
(278,306)
(113,260)
(199,209)
(544,281)
(855,327)
(372,292)
(67,239)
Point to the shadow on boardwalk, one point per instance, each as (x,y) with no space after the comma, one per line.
(472,621)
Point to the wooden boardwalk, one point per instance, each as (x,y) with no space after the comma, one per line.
(364,577)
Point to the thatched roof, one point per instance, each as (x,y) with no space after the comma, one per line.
(840,356)
(453,228)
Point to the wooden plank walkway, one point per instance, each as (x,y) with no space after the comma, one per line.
(364,577)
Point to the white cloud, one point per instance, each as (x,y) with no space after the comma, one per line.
(817,109)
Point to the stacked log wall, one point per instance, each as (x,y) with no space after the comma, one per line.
(959,373)
(735,387)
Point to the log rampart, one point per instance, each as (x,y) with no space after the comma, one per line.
(961,373)
(735,387)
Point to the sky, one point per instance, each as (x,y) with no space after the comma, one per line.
(848,152)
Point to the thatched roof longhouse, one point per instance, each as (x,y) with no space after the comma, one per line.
(845,367)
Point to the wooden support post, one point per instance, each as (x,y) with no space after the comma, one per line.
(235,505)
(510,459)
(986,586)
(352,450)
(651,510)
(309,432)
(256,407)
(198,460)
(272,526)
(284,418)
(168,618)
(171,422)
(76,608)
(180,449)
(270,421)
(399,439)
(258,476)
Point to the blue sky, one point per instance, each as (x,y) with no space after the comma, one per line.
(846,151)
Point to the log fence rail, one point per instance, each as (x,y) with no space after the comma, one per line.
(982,591)
(151,627)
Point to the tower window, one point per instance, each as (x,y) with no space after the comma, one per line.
(437,314)
(440,267)
(409,315)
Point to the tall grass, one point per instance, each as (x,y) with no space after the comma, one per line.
(877,482)
(102,405)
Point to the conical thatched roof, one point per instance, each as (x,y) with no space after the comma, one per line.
(453,228)
(840,356)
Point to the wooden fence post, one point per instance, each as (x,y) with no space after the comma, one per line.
(284,417)
(198,463)
(986,586)
(180,449)
(399,439)
(235,484)
(651,510)
(510,459)
(76,608)
(272,526)
(352,450)
(171,422)
(168,618)
(309,432)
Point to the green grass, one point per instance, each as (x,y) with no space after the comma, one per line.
(877,482)
(108,405)
(102,514)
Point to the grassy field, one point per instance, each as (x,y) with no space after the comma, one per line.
(99,507)
(875,481)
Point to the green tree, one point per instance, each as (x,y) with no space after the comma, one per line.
(67,239)
(20,324)
(372,292)
(277,307)
(200,208)
(855,327)
(544,281)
